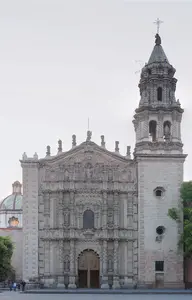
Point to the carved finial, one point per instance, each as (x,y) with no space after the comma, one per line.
(178,102)
(74,143)
(24,156)
(48,153)
(35,156)
(89,134)
(102,141)
(128,152)
(60,146)
(117,146)
(157,39)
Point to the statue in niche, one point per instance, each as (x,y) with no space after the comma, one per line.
(110,218)
(66,175)
(66,219)
(167,130)
(88,171)
(110,264)
(110,175)
(129,175)
(66,264)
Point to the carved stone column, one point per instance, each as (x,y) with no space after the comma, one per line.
(61,265)
(72,217)
(72,283)
(47,210)
(104,284)
(159,134)
(47,258)
(116,210)
(60,212)
(104,217)
(116,272)
(128,282)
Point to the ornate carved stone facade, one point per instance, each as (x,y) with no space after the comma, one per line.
(91,216)
(88,181)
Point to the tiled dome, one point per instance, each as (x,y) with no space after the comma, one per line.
(14,201)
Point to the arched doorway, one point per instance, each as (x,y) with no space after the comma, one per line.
(88,269)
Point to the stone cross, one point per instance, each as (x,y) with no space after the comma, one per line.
(158,22)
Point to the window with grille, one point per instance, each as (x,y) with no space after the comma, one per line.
(159,266)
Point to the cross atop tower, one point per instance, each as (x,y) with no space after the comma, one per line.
(158,22)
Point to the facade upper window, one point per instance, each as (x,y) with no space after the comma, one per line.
(88,219)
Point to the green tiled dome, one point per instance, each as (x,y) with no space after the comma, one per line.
(14,201)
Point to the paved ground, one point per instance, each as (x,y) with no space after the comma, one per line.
(18,296)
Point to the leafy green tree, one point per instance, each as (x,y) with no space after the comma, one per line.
(6,252)
(183,215)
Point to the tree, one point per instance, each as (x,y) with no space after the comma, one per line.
(183,215)
(6,252)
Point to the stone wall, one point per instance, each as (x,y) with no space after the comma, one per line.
(167,173)
(30,219)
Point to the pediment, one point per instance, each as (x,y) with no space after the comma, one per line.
(87,161)
(86,153)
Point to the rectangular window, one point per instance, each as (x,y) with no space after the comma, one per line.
(159,266)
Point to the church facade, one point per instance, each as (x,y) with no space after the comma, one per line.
(95,218)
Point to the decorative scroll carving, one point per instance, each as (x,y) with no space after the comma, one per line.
(93,166)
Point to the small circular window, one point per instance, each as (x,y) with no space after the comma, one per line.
(160,230)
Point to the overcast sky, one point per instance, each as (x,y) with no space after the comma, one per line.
(62,61)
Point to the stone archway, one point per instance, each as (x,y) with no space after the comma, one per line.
(88,269)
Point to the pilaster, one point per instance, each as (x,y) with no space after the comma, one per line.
(72,216)
(104,284)
(104,217)
(116,210)
(72,283)
(60,213)
(116,284)
(30,219)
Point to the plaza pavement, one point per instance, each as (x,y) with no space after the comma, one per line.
(18,296)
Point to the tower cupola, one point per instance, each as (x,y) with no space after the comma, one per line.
(157,83)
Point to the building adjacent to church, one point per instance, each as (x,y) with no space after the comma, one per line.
(11,225)
(95,218)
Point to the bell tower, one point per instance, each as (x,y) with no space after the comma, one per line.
(158,118)
(159,158)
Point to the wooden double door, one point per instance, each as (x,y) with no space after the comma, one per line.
(88,270)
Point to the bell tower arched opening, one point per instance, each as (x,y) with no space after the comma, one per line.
(159,94)
(153,130)
(88,269)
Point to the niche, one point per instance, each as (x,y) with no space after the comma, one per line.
(153,130)
(159,93)
(167,130)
